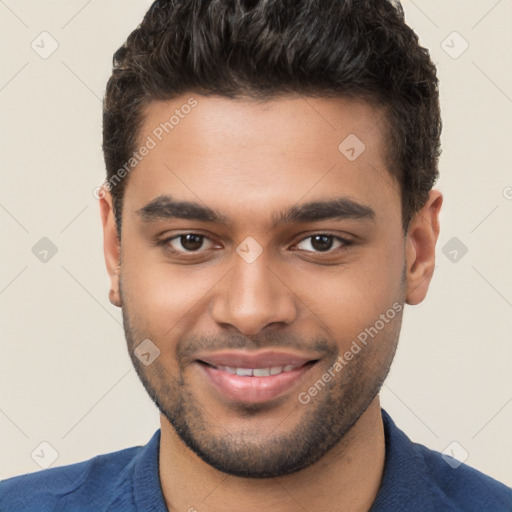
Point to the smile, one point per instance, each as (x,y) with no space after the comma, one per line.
(247,377)
(258,372)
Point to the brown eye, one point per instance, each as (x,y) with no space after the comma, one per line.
(322,243)
(191,242)
(187,243)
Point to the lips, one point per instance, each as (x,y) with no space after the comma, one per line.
(253,378)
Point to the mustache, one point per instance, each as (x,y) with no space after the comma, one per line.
(188,347)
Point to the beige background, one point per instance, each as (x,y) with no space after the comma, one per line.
(66,378)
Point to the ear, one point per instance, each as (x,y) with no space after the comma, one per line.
(420,253)
(111,245)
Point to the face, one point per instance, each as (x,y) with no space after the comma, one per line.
(256,256)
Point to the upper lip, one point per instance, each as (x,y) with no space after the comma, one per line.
(262,359)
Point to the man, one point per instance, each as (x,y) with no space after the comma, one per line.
(267,213)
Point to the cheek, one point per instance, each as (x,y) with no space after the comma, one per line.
(165,297)
(346,300)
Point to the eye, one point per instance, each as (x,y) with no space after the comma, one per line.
(187,242)
(195,243)
(322,243)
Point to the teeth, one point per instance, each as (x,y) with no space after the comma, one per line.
(261,372)
(258,372)
(244,372)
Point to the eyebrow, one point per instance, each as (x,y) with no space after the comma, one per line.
(164,207)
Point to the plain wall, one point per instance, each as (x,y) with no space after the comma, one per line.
(65,376)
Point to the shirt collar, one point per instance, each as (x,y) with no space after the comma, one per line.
(405,483)
(147,490)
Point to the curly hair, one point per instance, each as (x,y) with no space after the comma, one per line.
(263,49)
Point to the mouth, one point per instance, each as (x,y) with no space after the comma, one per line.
(254,378)
(256,372)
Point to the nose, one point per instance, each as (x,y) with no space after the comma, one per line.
(252,297)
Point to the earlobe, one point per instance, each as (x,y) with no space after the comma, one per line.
(421,248)
(111,246)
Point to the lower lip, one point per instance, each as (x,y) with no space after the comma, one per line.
(253,390)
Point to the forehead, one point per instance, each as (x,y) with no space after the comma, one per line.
(280,122)
(260,154)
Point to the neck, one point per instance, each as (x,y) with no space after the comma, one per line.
(346,478)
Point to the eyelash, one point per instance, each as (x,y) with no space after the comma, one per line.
(166,243)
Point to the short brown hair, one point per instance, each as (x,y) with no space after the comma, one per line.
(266,48)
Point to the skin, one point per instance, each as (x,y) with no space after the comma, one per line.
(249,161)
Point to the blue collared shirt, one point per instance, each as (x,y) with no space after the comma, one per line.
(415,479)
